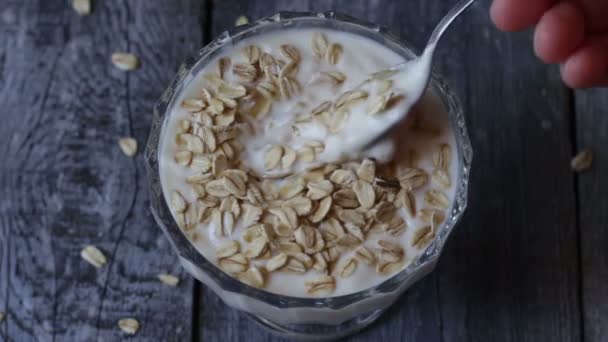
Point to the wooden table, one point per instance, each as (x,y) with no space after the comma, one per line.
(529,262)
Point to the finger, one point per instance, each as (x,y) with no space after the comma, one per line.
(560,31)
(588,66)
(595,12)
(516,15)
(601,83)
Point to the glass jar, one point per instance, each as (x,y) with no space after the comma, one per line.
(295,317)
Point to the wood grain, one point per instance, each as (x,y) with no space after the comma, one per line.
(66,184)
(510,272)
(592,132)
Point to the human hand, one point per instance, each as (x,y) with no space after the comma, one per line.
(573,33)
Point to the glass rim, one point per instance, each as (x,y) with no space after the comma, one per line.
(186,249)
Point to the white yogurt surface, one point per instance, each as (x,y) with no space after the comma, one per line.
(360,58)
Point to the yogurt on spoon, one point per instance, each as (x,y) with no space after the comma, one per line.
(365,131)
(346,113)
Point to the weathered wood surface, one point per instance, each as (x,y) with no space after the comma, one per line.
(65,183)
(510,272)
(592,132)
(515,269)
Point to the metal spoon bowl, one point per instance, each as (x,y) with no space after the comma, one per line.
(426,57)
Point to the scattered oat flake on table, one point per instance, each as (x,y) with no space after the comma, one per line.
(125,61)
(93,256)
(1,317)
(582,161)
(128,325)
(168,279)
(128,146)
(242,20)
(83,7)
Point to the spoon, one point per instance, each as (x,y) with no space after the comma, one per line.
(415,72)
(411,78)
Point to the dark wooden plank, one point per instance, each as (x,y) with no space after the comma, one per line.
(592,132)
(225,13)
(510,271)
(65,183)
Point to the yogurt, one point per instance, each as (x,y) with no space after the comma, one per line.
(300,123)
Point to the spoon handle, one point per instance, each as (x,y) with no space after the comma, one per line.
(447,20)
